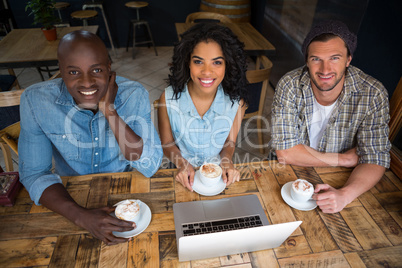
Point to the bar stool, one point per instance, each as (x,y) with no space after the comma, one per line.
(138,22)
(60,6)
(86,14)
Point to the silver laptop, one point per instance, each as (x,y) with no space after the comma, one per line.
(212,228)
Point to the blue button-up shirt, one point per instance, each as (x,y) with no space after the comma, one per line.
(80,141)
(200,139)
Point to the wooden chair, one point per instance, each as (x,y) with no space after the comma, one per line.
(9,81)
(9,135)
(259,81)
(395,123)
(207,16)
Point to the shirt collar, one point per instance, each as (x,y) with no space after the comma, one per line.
(351,83)
(218,105)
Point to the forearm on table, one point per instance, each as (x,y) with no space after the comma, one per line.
(129,142)
(363,178)
(57,199)
(303,155)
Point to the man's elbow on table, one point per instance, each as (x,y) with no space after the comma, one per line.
(284,157)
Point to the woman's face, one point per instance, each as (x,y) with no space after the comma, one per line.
(207,67)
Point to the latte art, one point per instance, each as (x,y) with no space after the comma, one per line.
(211,170)
(303,187)
(301,190)
(127,210)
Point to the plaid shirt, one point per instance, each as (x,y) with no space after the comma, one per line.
(359,119)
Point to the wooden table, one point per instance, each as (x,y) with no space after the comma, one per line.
(366,233)
(255,44)
(23,48)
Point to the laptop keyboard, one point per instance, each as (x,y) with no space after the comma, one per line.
(221,225)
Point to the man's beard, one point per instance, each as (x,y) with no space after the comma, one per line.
(331,88)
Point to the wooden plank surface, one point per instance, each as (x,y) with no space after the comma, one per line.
(341,232)
(65,251)
(324,259)
(367,233)
(30,45)
(315,231)
(88,252)
(27,252)
(270,193)
(36,225)
(113,256)
(382,257)
(144,250)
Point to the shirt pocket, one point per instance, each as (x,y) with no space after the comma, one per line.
(68,145)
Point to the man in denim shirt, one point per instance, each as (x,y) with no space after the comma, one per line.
(90,121)
(330,113)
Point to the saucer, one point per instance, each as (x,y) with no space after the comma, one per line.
(142,224)
(285,192)
(202,189)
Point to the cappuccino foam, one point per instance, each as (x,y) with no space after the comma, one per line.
(211,170)
(127,210)
(303,187)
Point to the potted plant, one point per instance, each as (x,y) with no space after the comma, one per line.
(43,12)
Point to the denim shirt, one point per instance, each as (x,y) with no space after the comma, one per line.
(80,141)
(200,139)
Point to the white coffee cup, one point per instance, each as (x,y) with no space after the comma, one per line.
(301,190)
(210,174)
(128,210)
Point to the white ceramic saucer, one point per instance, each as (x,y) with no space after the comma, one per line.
(285,192)
(202,189)
(142,224)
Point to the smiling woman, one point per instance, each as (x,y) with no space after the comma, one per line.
(201,110)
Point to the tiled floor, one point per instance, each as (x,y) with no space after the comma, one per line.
(151,71)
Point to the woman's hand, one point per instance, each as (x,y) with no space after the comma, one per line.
(229,173)
(185,175)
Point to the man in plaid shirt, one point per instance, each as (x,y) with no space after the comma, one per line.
(329,113)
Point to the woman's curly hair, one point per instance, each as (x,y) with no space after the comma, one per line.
(234,83)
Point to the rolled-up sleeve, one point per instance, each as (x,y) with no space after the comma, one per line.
(373,143)
(35,153)
(285,116)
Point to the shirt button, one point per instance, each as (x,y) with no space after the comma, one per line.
(96,138)
(96,153)
(64,136)
(95,165)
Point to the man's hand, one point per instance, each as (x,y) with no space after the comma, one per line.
(106,104)
(101,224)
(229,173)
(329,199)
(185,175)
